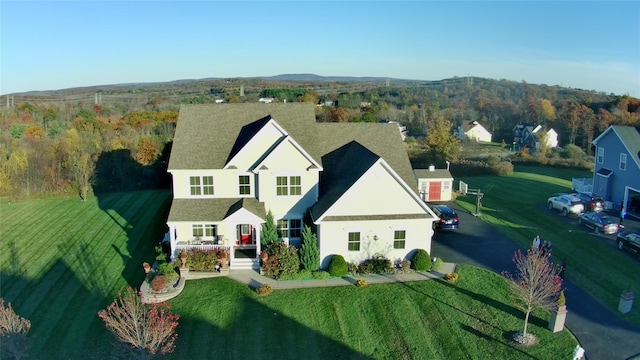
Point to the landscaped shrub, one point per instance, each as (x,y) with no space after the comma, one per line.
(158,283)
(437,262)
(168,271)
(451,277)
(421,261)
(201,260)
(309,252)
(320,275)
(302,274)
(264,289)
(352,268)
(338,266)
(361,283)
(376,265)
(282,260)
(404,267)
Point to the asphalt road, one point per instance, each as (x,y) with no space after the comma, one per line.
(600,332)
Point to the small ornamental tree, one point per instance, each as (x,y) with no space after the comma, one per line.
(269,233)
(14,331)
(536,283)
(145,330)
(309,252)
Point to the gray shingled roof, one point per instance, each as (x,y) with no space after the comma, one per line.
(213,209)
(207,136)
(435,174)
(630,136)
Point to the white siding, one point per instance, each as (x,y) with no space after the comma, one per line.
(335,239)
(225,183)
(254,149)
(377,193)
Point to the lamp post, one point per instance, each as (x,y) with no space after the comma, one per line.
(514,146)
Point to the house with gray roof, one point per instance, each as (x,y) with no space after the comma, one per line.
(352,183)
(616,175)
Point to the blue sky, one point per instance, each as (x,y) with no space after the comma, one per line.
(55,45)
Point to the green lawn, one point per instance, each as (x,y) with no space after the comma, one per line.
(62,260)
(516,205)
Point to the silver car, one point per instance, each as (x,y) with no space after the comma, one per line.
(567,204)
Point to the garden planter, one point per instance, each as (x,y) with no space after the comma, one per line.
(558,318)
(626,302)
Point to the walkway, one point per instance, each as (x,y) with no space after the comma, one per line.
(254,279)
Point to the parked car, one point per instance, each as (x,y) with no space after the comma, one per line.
(591,202)
(629,240)
(599,222)
(567,204)
(448,217)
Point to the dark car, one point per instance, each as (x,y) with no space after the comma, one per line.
(599,222)
(448,218)
(592,202)
(630,241)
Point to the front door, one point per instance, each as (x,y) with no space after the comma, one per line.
(245,234)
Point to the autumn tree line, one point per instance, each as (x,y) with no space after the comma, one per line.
(68,148)
(77,150)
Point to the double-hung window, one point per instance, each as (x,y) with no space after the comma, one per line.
(291,228)
(354,241)
(288,185)
(194,182)
(201,185)
(623,162)
(399,239)
(281,186)
(207,185)
(600,158)
(244,185)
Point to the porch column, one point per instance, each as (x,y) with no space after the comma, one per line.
(258,229)
(172,240)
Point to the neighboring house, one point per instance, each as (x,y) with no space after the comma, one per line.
(434,184)
(401,128)
(351,182)
(616,175)
(472,130)
(535,135)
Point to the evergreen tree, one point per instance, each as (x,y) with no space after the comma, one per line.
(269,234)
(309,252)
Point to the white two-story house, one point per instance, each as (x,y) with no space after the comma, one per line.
(352,183)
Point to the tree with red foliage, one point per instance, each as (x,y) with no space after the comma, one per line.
(536,284)
(13,332)
(145,330)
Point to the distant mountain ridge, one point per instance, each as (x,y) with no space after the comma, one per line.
(281,77)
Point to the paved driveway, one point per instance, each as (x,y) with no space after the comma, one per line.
(600,331)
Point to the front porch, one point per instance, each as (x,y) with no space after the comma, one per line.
(241,257)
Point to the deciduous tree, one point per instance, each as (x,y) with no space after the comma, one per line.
(145,330)
(535,284)
(14,331)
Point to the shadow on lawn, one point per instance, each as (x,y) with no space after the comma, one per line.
(251,329)
(118,181)
(62,312)
(498,305)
